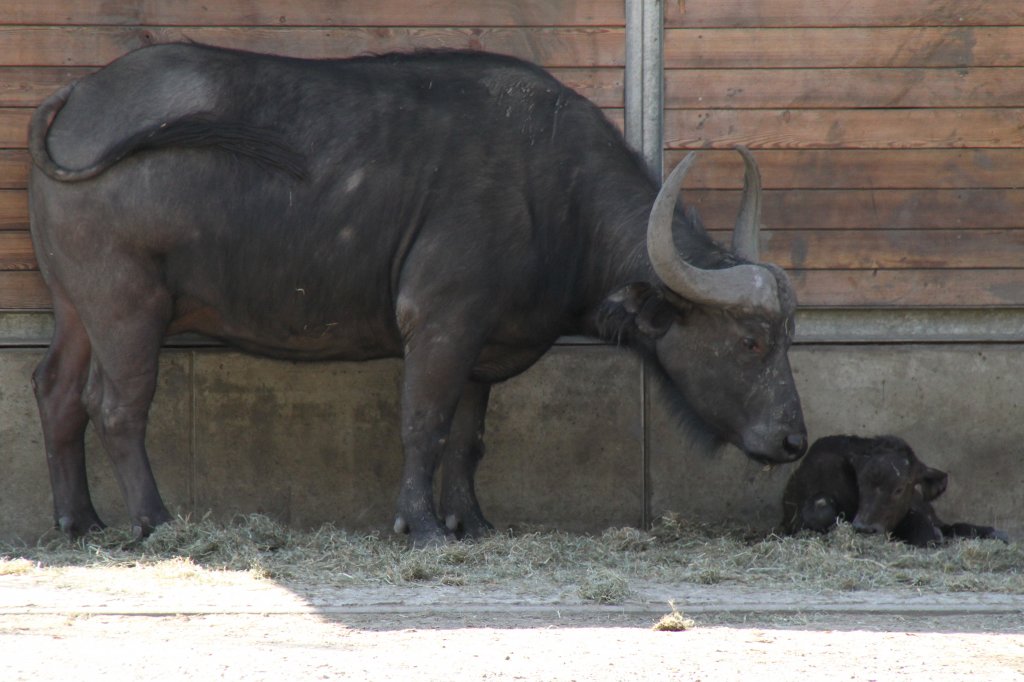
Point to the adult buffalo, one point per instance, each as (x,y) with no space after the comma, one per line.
(461,210)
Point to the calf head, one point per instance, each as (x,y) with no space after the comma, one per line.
(890,479)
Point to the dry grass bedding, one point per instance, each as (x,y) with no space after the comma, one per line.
(601,567)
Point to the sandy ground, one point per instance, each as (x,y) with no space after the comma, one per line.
(116,624)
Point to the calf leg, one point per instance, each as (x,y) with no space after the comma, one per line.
(58,382)
(459,506)
(819,512)
(969,530)
(917,528)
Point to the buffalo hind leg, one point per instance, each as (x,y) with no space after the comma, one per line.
(58,382)
(122,381)
(463,452)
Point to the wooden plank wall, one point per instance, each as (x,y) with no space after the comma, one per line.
(890,135)
(44,44)
(890,132)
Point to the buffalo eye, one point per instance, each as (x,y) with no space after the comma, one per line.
(751,344)
(898,492)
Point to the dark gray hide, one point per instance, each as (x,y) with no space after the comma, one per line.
(878,485)
(460,210)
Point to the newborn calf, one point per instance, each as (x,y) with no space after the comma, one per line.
(878,484)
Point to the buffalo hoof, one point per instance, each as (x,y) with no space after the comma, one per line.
(143,526)
(74,528)
(422,538)
(468,526)
(141,529)
(430,538)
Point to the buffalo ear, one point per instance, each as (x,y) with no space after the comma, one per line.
(933,483)
(637,309)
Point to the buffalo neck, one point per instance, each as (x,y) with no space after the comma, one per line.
(618,254)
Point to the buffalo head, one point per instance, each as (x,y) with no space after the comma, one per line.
(889,482)
(722,336)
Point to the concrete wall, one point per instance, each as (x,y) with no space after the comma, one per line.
(579,442)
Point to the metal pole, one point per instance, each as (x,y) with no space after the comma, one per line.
(645,94)
(634,76)
(654,91)
(645,133)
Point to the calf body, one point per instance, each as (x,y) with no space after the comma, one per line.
(878,485)
(459,210)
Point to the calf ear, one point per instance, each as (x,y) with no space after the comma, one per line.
(933,483)
(636,310)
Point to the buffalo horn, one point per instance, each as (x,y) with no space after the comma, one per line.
(747,285)
(748,221)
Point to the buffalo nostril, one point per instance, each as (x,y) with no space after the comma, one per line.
(795,444)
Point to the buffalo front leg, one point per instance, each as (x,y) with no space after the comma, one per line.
(58,382)
(465,448)
(436,371)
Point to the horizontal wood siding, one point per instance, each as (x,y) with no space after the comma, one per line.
(845,13)
(890,132)
(890,135)
(46,44)
(320,13)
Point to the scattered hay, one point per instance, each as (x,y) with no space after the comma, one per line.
(602,567)
(604,586)
(16,566)
(674,621)
(628,539)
